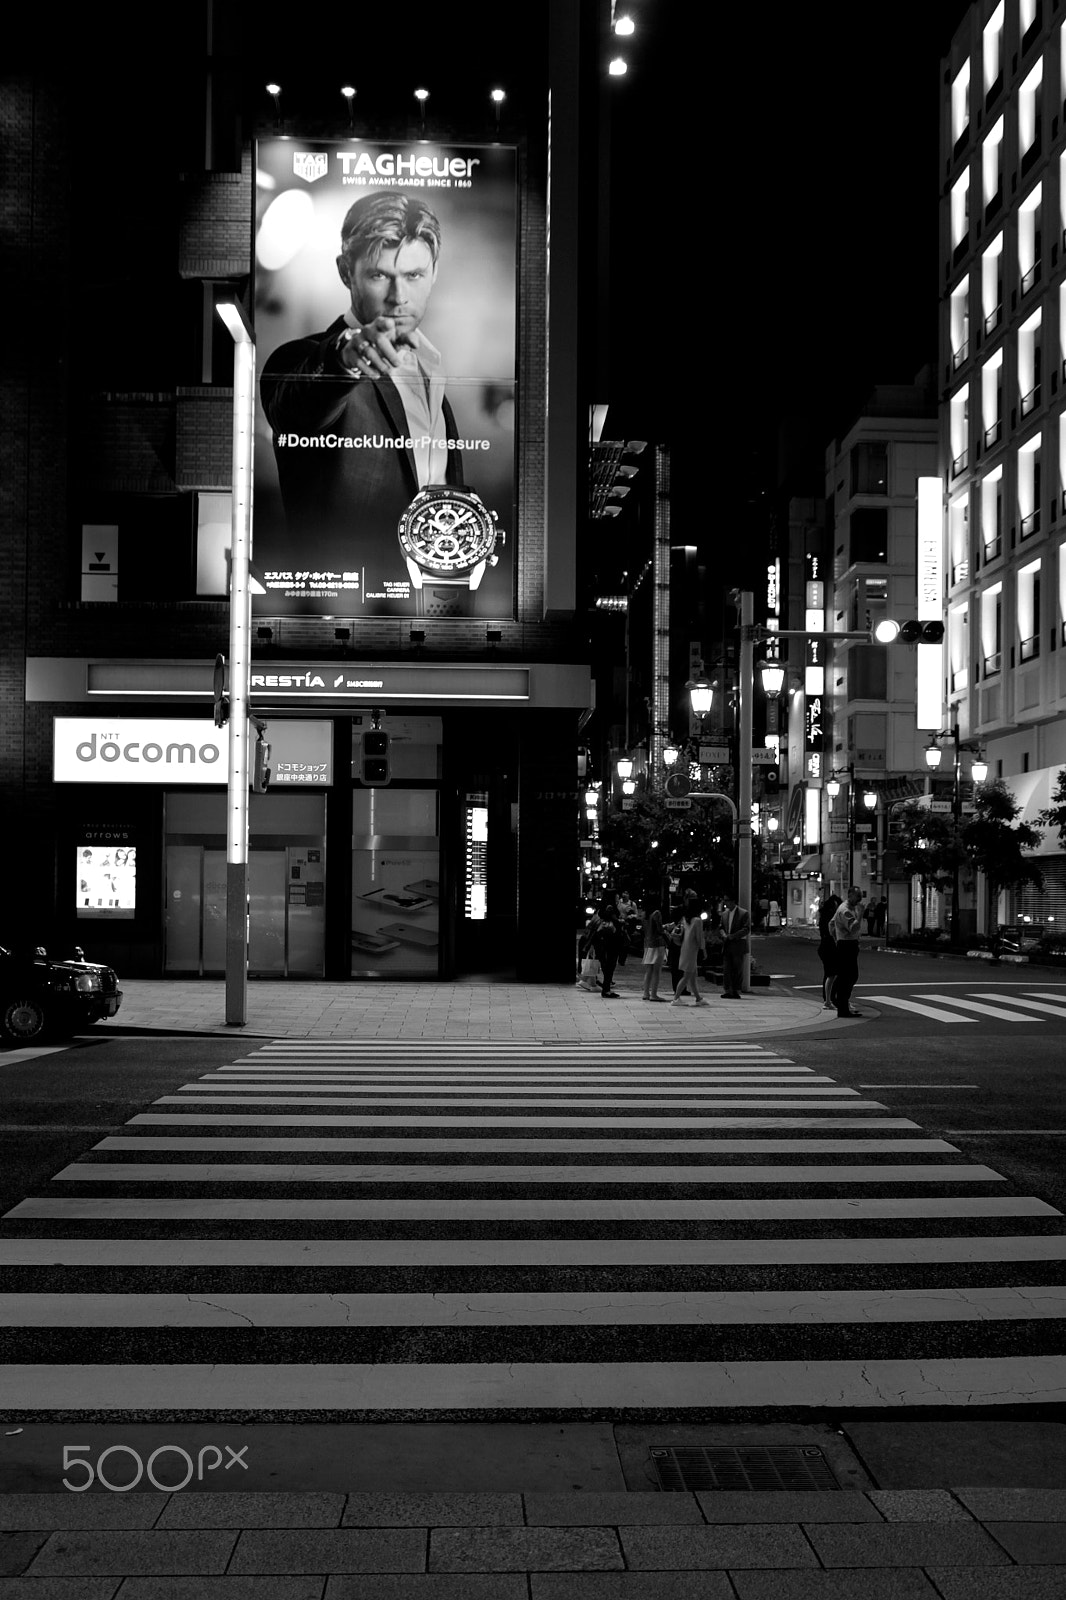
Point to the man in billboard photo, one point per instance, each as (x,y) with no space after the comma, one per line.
(374,385)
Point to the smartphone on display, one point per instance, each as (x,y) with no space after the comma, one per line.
(425,938)
(398,900)
(374,944)
(426,886)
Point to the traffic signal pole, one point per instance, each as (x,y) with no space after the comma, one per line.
(747,695)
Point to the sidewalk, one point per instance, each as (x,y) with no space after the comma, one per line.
(477,1011)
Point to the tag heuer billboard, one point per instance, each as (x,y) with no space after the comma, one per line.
(385,322)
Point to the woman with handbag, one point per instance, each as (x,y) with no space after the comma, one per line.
(589,970)
(654,948)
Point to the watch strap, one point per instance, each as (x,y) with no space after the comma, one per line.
(437,599)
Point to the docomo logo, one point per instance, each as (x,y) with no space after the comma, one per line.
(111,750)
(94,1473)
(125,750)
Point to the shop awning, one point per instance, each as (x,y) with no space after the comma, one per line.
(808,864)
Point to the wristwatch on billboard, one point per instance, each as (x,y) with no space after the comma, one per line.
(448,538)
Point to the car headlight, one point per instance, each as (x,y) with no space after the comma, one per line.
(86,981)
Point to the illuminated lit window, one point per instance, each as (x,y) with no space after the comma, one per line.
(992,53)
(991,631)
(992,285)
(960,211)
(992,514)
(1029,487)
(959,315)
(992,400)
(960,103)
(959,421)
(1029,242)
(959,646)
(959,539)
(1029,96)
(1027,599)
(992,167)
(1029,365)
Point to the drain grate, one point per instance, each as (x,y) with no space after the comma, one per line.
(780,1467)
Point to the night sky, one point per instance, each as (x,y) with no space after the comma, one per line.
(799,205)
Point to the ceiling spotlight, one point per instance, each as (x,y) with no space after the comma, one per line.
(617,68)
(422,95)
(497,97)
(349,98)
(274,91)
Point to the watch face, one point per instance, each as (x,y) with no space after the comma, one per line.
(447,531)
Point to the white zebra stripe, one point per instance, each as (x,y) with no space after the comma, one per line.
(145,1208)
(584,1309)
(489,1386)
(707,1146)
(389,1172)
(614,1254)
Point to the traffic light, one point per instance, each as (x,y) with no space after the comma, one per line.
(888,631)
(375,761)
(260,764)
(219,692)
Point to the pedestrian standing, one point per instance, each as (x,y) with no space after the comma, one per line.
(735,931)
(827,951)
(693,945)
(882,916)
(845,928)
(654,948)
(607,942)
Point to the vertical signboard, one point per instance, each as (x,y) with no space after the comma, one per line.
(385,321)
(930,599)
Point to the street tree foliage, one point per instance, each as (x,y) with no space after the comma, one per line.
(650,842)
(1055,815)
(991,840)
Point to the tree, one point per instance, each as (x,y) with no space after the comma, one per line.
(932,847)
(1055,816)
(929,848)
(650,842)
(995,841)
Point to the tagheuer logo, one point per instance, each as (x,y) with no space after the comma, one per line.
(310,164)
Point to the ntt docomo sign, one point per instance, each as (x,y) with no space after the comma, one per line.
(138,750)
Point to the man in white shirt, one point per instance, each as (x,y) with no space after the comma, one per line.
(844,928)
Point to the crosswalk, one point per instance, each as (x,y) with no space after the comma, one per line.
(1030,1005)
(365,1230)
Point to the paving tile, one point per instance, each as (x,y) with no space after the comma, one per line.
(523,1549)
(55,1511)
(432,1510)
(430,1586)
(258,1588)
(905,1544)
(916,1505)
(1038,1543)
(596,1509)
(17,1550)
(1015,1505)
(901,1583)
(631,1586)
(59,1588)
(329,1550)
(787,1505)
(134,1553)
(666,1549)
(239,1510)
(1001,1583)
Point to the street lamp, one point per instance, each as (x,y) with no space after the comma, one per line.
(701,696)
(869,799)
(624,768)
(773,678)
(670,755)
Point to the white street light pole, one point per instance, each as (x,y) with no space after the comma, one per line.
(746,667)
(240,650)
